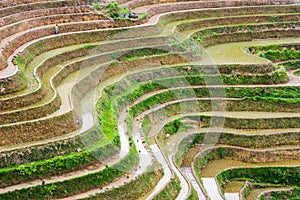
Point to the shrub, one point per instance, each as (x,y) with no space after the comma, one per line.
(115,11)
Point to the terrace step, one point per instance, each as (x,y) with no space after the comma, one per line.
(155,12)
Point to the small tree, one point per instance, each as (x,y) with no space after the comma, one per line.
(114,10)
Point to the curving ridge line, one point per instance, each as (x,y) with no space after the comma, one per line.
(91,169)
(273,190)
(214,192)
(14,69)
(279,84)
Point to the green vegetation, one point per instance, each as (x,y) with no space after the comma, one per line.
(98,6)
(268,94)
(292,194)
(50,150)
(274,47)
(290,65)
(247,141)
(115,11)
(211,27)
(142,53)
(274,175)
(171,191)
(56,165)
(209,36)
(193,195)
(280,55)
(77,185)
(141,185)
(172,127)
(297,73)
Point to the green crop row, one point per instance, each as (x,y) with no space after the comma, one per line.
(56,165)
(275,175)
(225,12)
(107,119)
(292,194)
(289,46)
(290,65)
(249,187)
(49,150)
(269,175)
(193,195)
(297,73)
(280,55)
(77,185)
(228,122)
(246,141)
(244,123)
(248,28)
(171,190)
(271,94)
(107,133)
(142,185)
(139,53)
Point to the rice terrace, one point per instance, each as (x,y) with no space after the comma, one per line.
(150,99)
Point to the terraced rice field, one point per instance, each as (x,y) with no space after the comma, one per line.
(177,99)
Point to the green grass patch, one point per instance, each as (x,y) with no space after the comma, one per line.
(143,184)
(77,185)
(171,191)
(288,176)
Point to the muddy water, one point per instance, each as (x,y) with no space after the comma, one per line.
(212,189)
(232,196)
(122,127)
(167,171)
(188,173)
(145,157)
(184,192)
